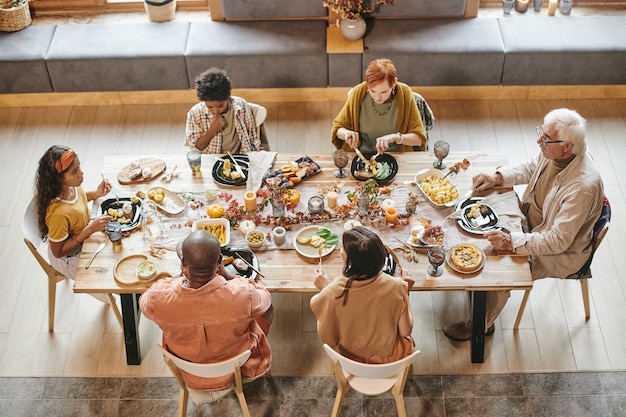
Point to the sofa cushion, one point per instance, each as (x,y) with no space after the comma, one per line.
(264,9)
(423,8)
(564,50)
(23,55)
(263,54)
(119,57)
(439,51)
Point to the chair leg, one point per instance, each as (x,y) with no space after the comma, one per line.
(520,313)
(584,286)
(183,399)
(52,295)
(116,310)
(239,391)
(342,388)
(398,388)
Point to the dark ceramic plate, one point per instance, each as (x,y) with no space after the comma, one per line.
(485,220)
(135,217)
(246,254)
(358,165)
(313,166)
(218,168)
(390,264)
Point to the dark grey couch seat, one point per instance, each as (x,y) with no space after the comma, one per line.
(263,54)
(564,50)
(440,52)
(119,57)
(23,55)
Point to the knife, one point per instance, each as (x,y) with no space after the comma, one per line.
(237,167)
(249,265)
(102,245)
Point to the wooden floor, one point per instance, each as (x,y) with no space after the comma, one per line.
(87,341)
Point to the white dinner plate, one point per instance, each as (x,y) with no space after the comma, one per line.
(309,251)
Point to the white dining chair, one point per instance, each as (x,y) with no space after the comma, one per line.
(33,241)
(600,229)
(370,379)
(260,114)
(207,370)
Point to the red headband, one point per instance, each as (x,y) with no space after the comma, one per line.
(65,161)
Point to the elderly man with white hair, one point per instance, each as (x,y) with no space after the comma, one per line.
(562,201)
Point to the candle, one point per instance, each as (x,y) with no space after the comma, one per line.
(332,199)
(552,7)
(250,200)
(391,215)
(521,6)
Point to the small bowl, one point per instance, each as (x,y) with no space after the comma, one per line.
(255,238)
(146,270)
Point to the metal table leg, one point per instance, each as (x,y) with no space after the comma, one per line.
(478,310)
(130,316)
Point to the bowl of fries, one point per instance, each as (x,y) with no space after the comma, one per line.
(220,228)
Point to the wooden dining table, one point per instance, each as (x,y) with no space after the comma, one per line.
(283,268)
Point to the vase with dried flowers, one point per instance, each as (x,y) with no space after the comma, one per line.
(352,25)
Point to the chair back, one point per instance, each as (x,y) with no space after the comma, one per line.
(208,370)
(368,370)
(600,228)
(30,231)
(260,113)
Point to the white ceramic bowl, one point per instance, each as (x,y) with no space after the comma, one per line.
(258,238)
(206,224)
(425,173)
(146,270)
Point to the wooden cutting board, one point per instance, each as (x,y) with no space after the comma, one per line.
(156,165)
(125,271)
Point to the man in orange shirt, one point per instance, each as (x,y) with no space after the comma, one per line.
(208,316)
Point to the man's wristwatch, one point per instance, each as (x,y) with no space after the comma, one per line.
(401,138)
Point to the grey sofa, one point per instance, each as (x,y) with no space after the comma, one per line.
(562,50)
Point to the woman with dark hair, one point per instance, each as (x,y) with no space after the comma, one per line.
(380,114)
(220,123)
(62,209)
(364,314)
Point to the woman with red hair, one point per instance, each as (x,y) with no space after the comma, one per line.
(380,114)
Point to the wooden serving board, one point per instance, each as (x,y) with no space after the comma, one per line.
(156,165)
(125,271)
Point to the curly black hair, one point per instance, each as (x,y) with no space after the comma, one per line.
(213,85)
(48,184)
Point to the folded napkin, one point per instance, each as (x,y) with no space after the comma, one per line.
(260,162)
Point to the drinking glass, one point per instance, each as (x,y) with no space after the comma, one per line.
(436,257)
(194,158)
(151,224)
(340,158)
(441,149)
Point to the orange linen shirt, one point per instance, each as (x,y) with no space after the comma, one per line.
(210,324)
